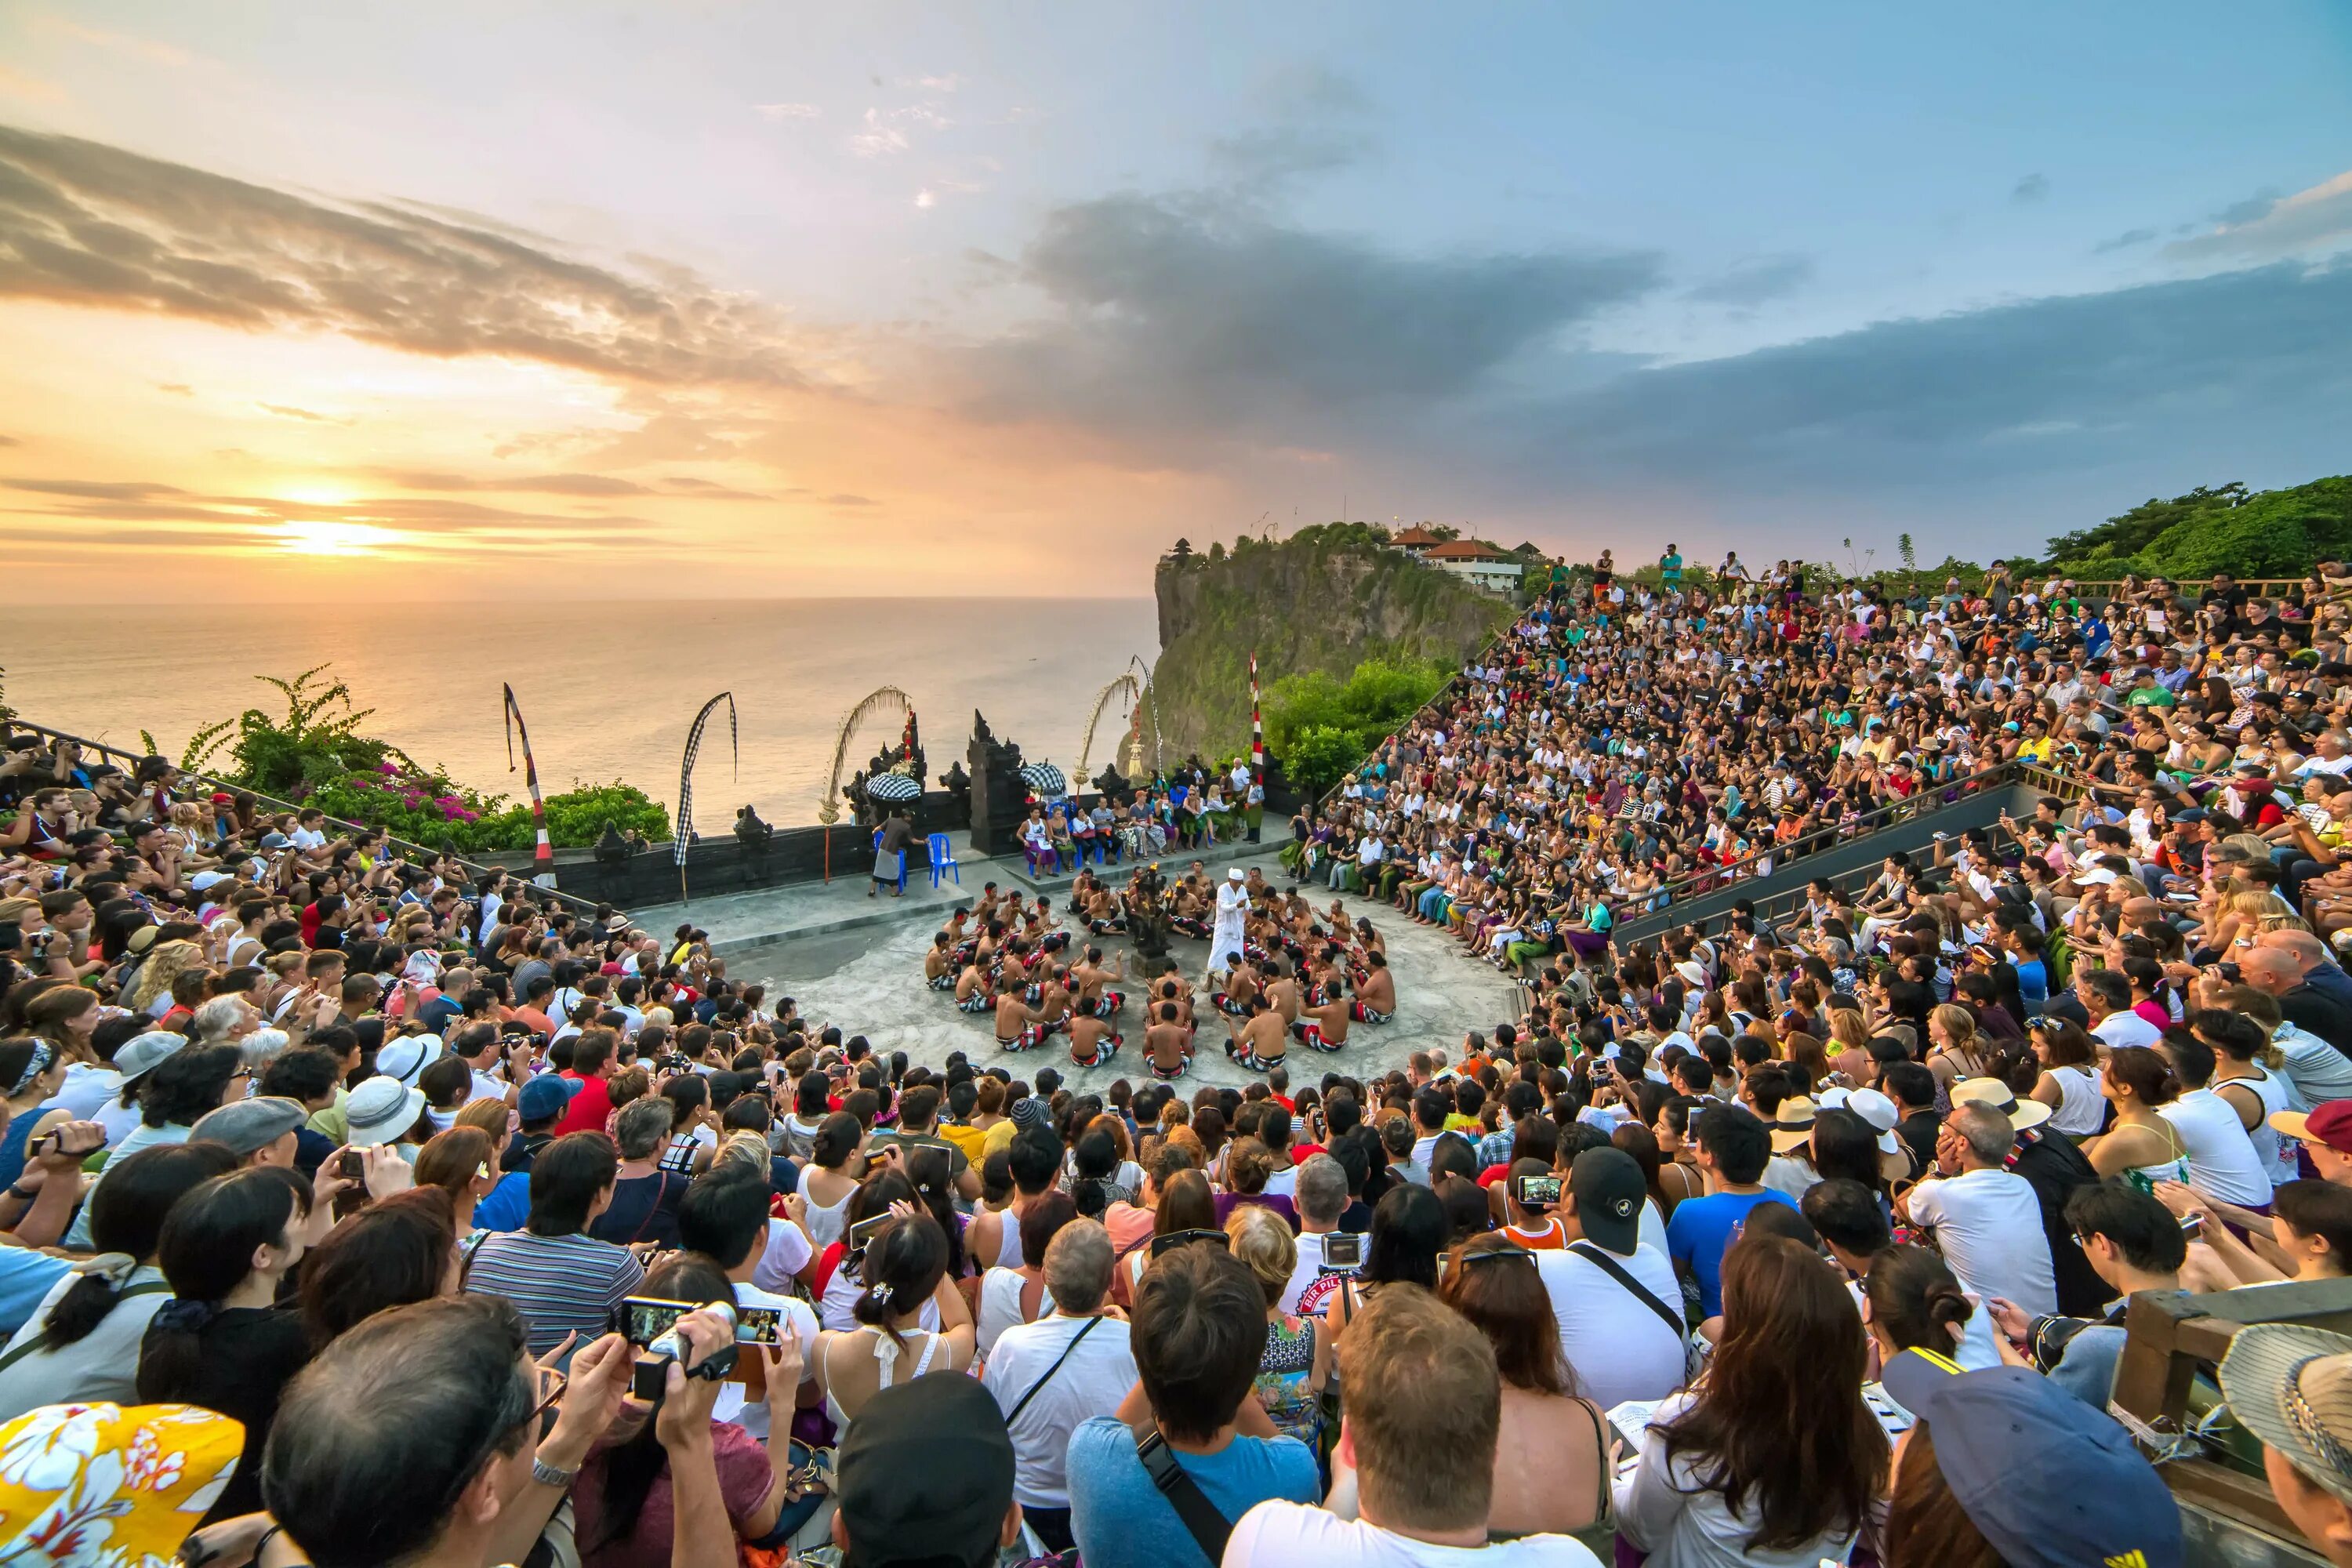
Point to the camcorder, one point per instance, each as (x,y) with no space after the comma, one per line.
(650,1323)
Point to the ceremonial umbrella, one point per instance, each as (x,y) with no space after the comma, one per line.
(1046,779)
(892,786)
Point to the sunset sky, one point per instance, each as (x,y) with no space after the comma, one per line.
(580,300)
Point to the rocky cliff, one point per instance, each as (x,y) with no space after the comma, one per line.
(1326,599)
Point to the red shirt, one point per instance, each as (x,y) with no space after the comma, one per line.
(588,1109)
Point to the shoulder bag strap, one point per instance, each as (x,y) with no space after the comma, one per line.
(1022,1403)
(1210,1528)
(41,1341)
(653,1209)
(1640,1292)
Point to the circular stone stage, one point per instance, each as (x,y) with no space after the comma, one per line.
(870,982)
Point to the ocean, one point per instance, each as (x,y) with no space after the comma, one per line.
(608,689)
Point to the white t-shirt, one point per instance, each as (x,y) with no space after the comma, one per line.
(786,1252)
(1277,1534)
(1663,1509)
(2126,1028)
(1988,1225)
(1620,1347)
(1090,1382)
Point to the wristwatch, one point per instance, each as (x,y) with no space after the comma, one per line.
(547,1475)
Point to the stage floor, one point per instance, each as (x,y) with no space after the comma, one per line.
(869,980)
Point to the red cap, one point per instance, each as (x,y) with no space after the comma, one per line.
(2330,1124)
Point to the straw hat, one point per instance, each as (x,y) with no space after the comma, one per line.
(2291,1386)
(1792,1125)
(2022,1113)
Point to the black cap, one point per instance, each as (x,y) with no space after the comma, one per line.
(925,1475)
(1609,1191)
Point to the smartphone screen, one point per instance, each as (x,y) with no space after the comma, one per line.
(644,1318)
(1537,1191)
(760,1326)
(865,1230)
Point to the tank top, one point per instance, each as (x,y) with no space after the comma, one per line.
(1008,1241)
(824,1225)
(1283,1372)
(2082,1111)
(2275,1151)
(2143,1178)
(2221,1163)
(886,1354)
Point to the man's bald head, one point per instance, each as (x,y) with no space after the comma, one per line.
(2270,969)
(2306,951)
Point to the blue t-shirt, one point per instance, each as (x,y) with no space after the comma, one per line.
(1120,1521)
(25,1277)
(1701,1229)
(505,1206)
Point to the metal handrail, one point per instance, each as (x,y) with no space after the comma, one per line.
(420,853)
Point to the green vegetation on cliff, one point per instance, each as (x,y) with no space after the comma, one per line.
(1321,602)
(2259,533)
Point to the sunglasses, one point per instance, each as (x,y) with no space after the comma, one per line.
(1175,1238)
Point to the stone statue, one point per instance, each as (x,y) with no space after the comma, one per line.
(998,795)
(1112,785)
(1147,917)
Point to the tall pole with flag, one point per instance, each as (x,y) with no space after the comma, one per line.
(1254,814)
(542,855)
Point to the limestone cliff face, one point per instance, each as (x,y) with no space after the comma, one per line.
(1309,603)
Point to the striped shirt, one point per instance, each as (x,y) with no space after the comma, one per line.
(561,1284)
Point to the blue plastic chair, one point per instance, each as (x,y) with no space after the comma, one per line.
(902,860)
(943,859)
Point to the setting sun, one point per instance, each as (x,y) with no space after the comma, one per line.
(308,538)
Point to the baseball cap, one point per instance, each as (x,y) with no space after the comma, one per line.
(1609,1190)
(276,841)
(380,1111)
(949,1432)
(141,1052)
(2291,1386)
(249,1125)
(2330,1124)
(2043,1477)
(542,1098)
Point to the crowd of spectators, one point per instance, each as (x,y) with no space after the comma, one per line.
(364,1212)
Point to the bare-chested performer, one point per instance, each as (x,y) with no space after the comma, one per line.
(1258,1043)
(1169,1039)
(1020,1026)
(1093,1042)
(974,992)
(1283,993)
(1375,991)
(1088,976)
(938,963)
(1324,1028)
(1240,985)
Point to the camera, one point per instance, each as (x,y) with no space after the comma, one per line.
(1342,1250)
(657,1318)
(353,1166)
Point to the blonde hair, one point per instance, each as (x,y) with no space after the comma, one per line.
(1849,1029)
(489,1115)
(1959,1023)
(163,965)
(1258,1237)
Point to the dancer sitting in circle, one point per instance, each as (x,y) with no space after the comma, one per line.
(1169,1039)
(1259,1043)
(1093,1042)
(1375,991)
